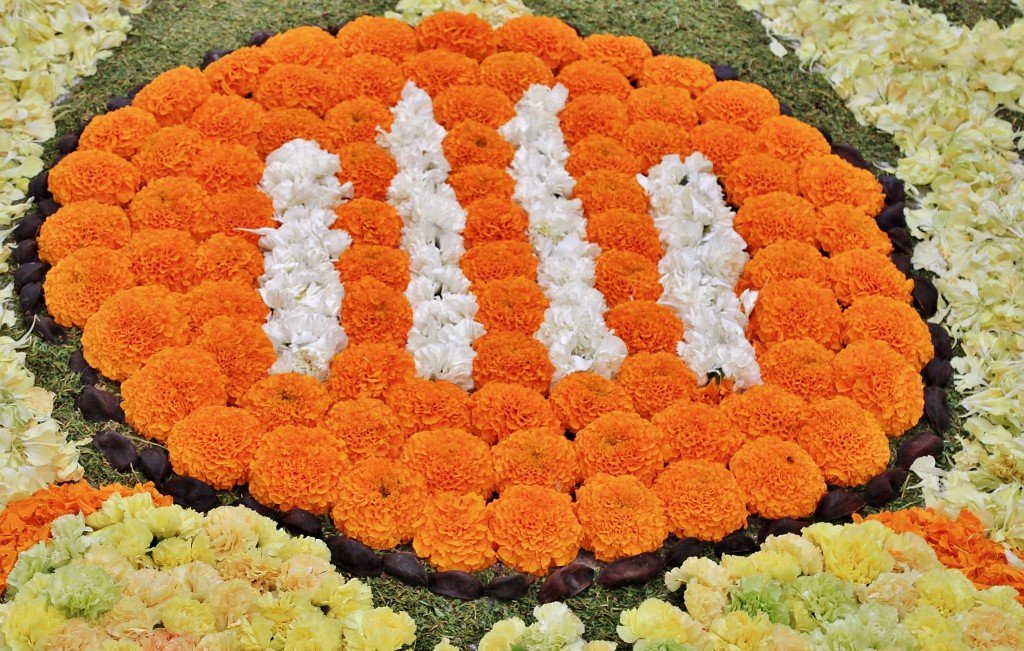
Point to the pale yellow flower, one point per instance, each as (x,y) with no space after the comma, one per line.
(657,620)
(504,635)
(186,616)
(379,629)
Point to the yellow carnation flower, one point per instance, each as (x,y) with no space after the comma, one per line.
(186,616)
(738,632)
(379,629)
(949,591)
(655,619)
(852,552)
(30,623)
(503,635)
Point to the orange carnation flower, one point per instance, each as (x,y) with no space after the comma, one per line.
(513,72)
(307,46)
(482,104)
(229,258)
(498,409)
(78,225)
(702,499)
(790,309)
(752,175)
(473,143)
(801,366)
(425,405)
(765,410)
(120,132)
(652,140)
(627,54)
(828,179)
(298,467)
(682,72)
(386,37)
(625,276)
(695,430)
(512,357)
(239,72)
(369,222)
(369,168)
(170,202)
(451,459)
(215,445)
(779,478)
(373,313)
(379,502)
(283,125)
(620,443)
(860,272)
(645,326)
(512,303)
(289,85)
(368,371)
(534,528)
(163,257)
(844,440)
(242,350)
(371,76)
(497,260)
(368,427)
(475,182)
(842,228)
(212,298)
(493,219)
(593,115)
(878,379)
(601,153)
(784,260)
(173,383)
(356,120)
(172,96)
(594,78)
(539,456)
(438,70)
(466,34)
(604,190)
(620,517)
(775,216)
(722,143)
(454,534)
(81,282)
(556,43)
(130,327)
(663,104)
(171,151)
(791,140)
(653,381)
(382,263)
(229,118)
(227,167)
(737,102)
(579,398)
(95,175)
(891,321)
(287,399)
(235,213)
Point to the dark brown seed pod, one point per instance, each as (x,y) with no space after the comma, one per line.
(39,186)
(566,582)
(406,568)
(213,55)
(335,28)
(885,487)
(655,50)
(924,444)
(47,207)
(785,109)
(31,298)
(26,251)
(31,272)
(837,504)
(576,28)
(259,37)
(192,493)
(117,449)
(902,262)
(507,588)
(77,363)
(936,409)
(926,297)
(892,216)
(941,342)
(118,103)
(901,240)
(250,502)
(99,406)
(134,90)
(736,544)
(851,155)
(28,227)
(725,73)
(68,143)
(632,570)
(353,557)
(893,188)
(47,329)
(155,465)
(826,134)
(455,584)
(780,527)
(302,522)
(937,372)
(683,549)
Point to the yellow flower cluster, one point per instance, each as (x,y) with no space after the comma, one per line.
(494,12)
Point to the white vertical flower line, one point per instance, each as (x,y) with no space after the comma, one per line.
(443,309)
(299,283)
(574,331)
(704,258)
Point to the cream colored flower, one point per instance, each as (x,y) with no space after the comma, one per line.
(379,629)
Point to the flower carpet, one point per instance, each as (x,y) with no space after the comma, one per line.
(478,307)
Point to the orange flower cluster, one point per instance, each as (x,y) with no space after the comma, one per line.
(451,459)
(120,132)
(682,72)
(753,175)
(371,76)
(779,478)
(722,143)
(466,34)
(231,212)
(424,405)
(226,258)
(229,118)
(534,528)
(216,445)
(172,96)
(513,303)
(891,321)
(307,46)
(373,313)
(539,456)
(78,225)
(164,257)
(286,124)
(498,409)
(384,264)
(702,499)
(227,167)
(494,219)
(579,398)
(594,78)
(605,190)
(287,399)
(290,85)
(171,151)
(645,326)
(482,104)
(298,467)
(790,140)
(669,104)
(626,276)
(620,517)
(828,179)
(785,260)
(475,182)
(369,222)
(844,228)
(556,43)
(598,152)
(368,371)
(454,533)
(844,440)
(695,430)
(774,217)
(737,102)
(861,272)
(651,140)
(803,367)
(653,381)
(367,426)
(514,358)
(385,37)
(213,298)
(474,143)
(513,72)
(239,72)
(93,174)
(880,380)
(593,115)
(497,260)
(81,282)
(790,309)
(765,410)
(242,350)
(357,120)
(627,54)
(625,231)
(620,443)
(379,502)
(435,71)
(169,202)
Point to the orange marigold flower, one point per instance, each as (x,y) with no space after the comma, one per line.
(556,43)
(82,281)
(844,440)
(287,399)
(601,153)
(878,379)
(653,381)
(451,459)
(120,132)
(229,258)
(239,72)
(580,398)
(695,430)
(386,37)
(789,139)
(454,534)
(497,260)
(307,46)
(765,410)
(475,182)
(230,212)
(645,326)
(605,190)
(227,167)
(625,276)
(539,456)
(95,175)
(369,221)
(78,225)
(356,120)
(173,383)
(891,321)
(172,96)
(779,478)
(801,366)
(130,327)
(682,72)
(289,85)
(664,104)
(368,427)
(473,143)
(242,350)
(625,231)
(466,34)
(368,371)
(828,179)
(493,219)
(385,264)
(594,78)
(513,72)
(171,151)
(438,70)
(379,502)
(369,168)
(784,260)
(424,405)
(512,357)
(512,303)
(215,445)
(229,118)
(737,102)
(163,257)
(627,54)
(482,104)
(534,528)
(790,309)
(775,216)
(722,143)
(702,499)
(212,298)
(620,443)
(371,76)
(283,125)
(862,272)
(593,115)
(373,313)
(620,517)
(177,202)
(752,175)
(498,409)
(652,140)
(298,467)
(843,228)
